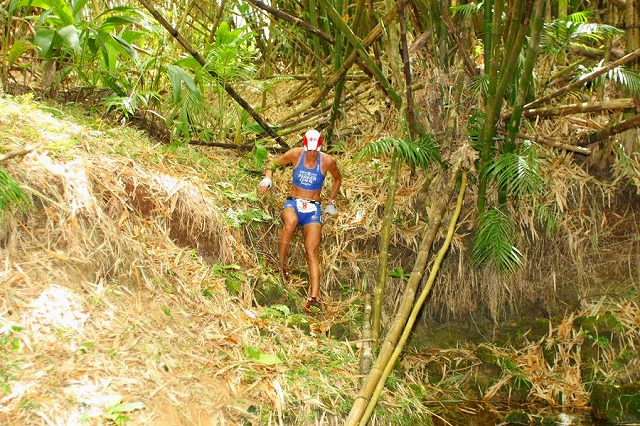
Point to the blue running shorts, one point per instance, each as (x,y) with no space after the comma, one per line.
(308,211)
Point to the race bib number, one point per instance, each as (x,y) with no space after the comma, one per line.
(305,206)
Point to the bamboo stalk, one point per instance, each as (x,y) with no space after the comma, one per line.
(527,74)
(293,20)
(366,356)
(406,65)
(348,63)
(555,144)
(338,56)
(609,131)
(613,104)
(492,21)
(11,154)
(313,17)
(217,18)
(383,255)
(354,95)
(362,52)
(462,50)
(366,390)
(418,305)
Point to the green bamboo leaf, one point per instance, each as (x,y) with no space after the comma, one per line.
(125,48)
(113,22)
(178,76)
(18,48)
(78,5)
(104,41)
(44,41)
(256,354)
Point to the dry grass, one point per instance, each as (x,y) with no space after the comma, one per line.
(554,365)
(108,304)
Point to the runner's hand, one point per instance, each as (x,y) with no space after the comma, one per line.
(331,209)
(265,184)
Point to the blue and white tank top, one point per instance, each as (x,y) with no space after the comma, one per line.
(309,179)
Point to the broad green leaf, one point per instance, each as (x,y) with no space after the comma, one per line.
(125,48)
(260,156)
(44,41)
(18,48)
(256,354)
(178,75)
(70,35)
(268,359)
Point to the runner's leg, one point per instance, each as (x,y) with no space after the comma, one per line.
(290,219)
(312,233)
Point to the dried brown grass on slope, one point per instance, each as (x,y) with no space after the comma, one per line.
(108,304)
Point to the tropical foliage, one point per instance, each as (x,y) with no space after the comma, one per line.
(416,154)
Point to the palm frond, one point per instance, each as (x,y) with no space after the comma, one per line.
(516,172)
(628,78)
(467,11)
(595,31)
(575,28)
(493,242)
(420,153)
(479,84)
(627,167)
(581,16)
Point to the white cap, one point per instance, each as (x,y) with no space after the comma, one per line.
(312,140)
